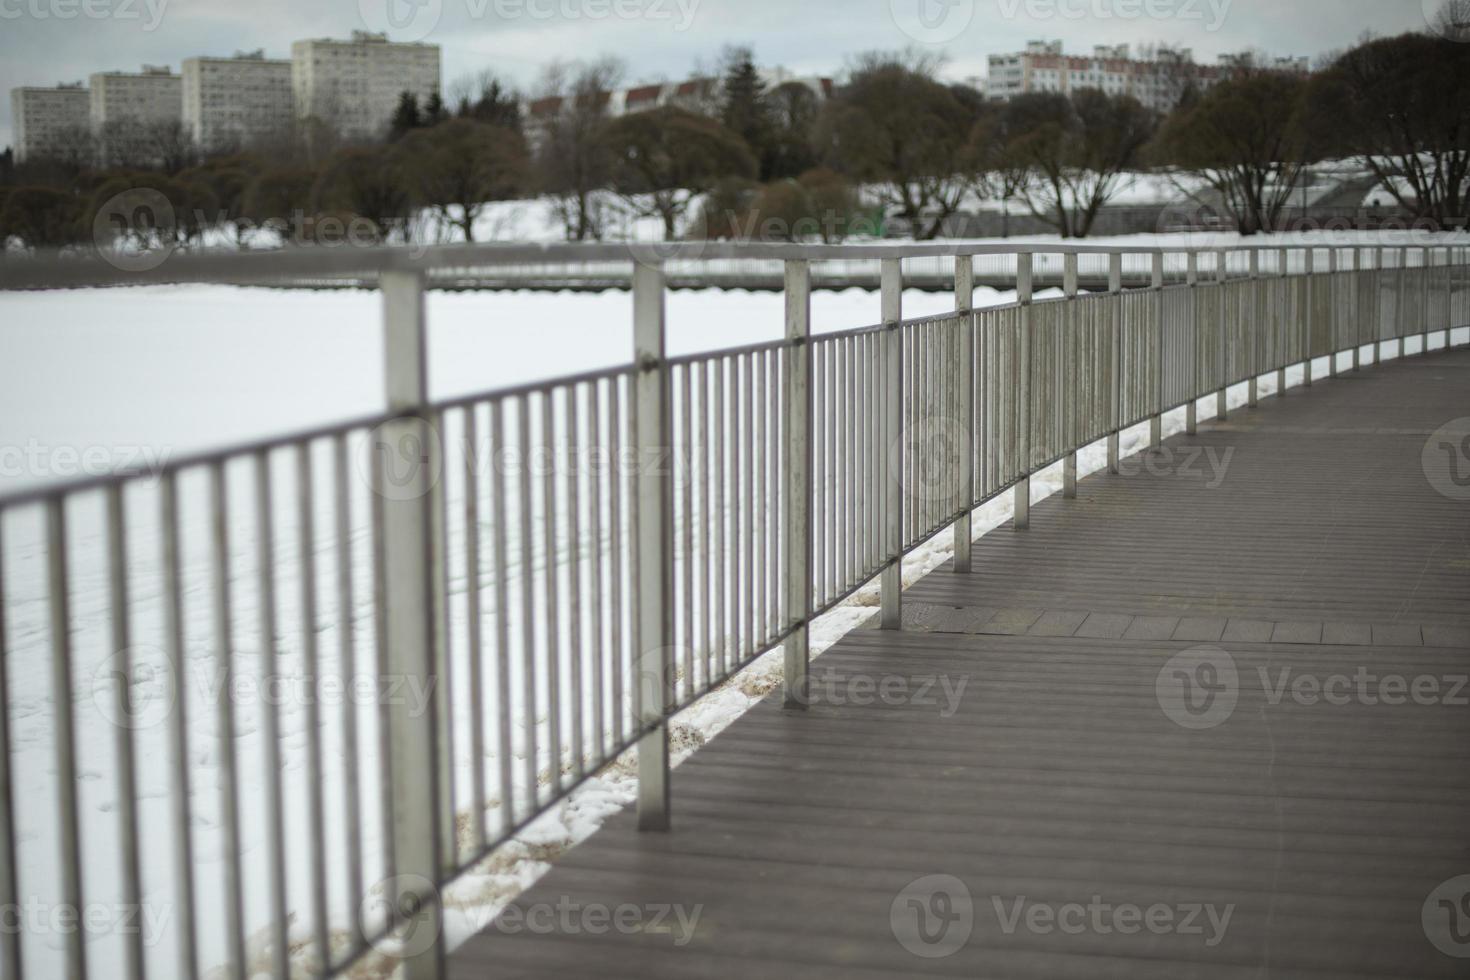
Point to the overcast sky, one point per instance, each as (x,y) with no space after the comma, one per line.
(43,42)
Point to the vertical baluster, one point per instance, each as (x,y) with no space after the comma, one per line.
(377,516)
(347,672)
(501,570)
(598,460)
(178,729)
(10,948)
(749,519)
(721,553)
(123,757)
(551,598)
(68,819)
(759,513)
(271,717)
(575,651)
(623,470)
(528,604)
(306,548)
(224,645)
(475,627)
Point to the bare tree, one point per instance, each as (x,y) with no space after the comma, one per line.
(1246,140)
(461,165)
(1076,151)
(663,159)
(1395,103)
(894,126)
(566,128)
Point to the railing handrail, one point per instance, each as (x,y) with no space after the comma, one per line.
(61,270)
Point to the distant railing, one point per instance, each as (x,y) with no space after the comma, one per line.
(524,584)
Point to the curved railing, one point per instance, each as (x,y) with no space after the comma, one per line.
(448,616)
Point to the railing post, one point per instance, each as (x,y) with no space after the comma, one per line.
(1025,288)
(1156,423)
(1357,267)
(411,642)
(1425,256)
(1309,313)
(1191,411)
(891,283)
(1334,287)
(964,297)
(1283,269)
(1069,463)
(1222,401)
(798,465)
(1115,287)
(654,576)
(1399,306)
(1257,305)
(1376,321)
(1450,293)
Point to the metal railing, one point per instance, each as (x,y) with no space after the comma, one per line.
(525,584)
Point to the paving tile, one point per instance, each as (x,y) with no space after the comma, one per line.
(1248,631)
(920,617)
(1152,628)
(1199,630)
(1455,637)
(1011,622)
(1297,633)
(1397,635)
(966,619)
(1058,622)
(1348,634)
(1104,626)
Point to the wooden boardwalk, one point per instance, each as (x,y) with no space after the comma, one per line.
(1080,829)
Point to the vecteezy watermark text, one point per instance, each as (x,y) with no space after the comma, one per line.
(1211,14)
(414,20)
(862,690)
(150,12)
(37,459)
(34,917)
(1182,461)
(1097,917)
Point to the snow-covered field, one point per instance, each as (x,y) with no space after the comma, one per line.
(98,379)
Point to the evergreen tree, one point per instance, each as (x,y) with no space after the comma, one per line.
(406,116)
(746,110)
(497,104)
(434,111)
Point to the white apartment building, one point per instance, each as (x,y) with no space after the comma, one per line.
(231,103)
(353,86)
(155,94)
(48,119)
(1158,78)
(695,95)
(132,114)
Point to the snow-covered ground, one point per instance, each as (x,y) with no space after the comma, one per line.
(119,377)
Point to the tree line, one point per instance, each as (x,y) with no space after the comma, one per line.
(894,149)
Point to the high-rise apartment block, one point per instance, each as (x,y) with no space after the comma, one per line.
(1157,77)
(354,86)
(231,103)
(134,114)
(153,95)
(50,120)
